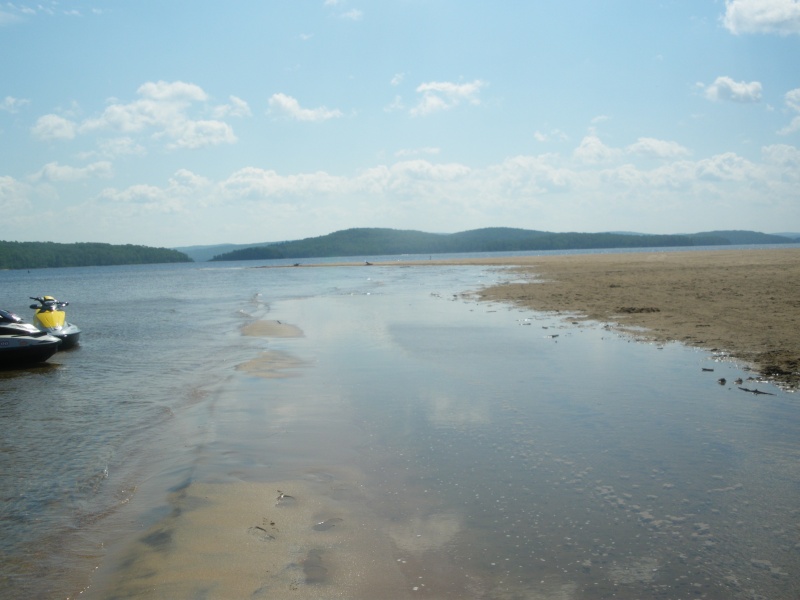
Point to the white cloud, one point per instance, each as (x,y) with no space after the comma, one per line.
(352,15)
(253,183)
(12,105)
(397,104)
(140,193)
(144,199)
(17,12)
(792,127)
(121,146)
(762,16)
(654,148)
(197,134)
(161,104)
(55,172)
(417,152)
(725,88)
(14,195)
(546,191)
(164,108)
(284,105)
(430,103)
(727,166)
(515,185)
(792,99)
(176,91)
(53,127)
(129,118)
(236,108)
(547,136)
(783,156)
(593,151)
(528,176)
(187,180)
(419,169)
(397,79)
(444,95)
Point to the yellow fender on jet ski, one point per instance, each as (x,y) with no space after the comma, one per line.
(49,315)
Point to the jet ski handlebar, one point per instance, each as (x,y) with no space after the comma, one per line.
(47,302)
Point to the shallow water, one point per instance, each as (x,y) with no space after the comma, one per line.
(400,441)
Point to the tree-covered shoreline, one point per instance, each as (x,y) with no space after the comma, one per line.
(37,255)
(384,242)
(365,242)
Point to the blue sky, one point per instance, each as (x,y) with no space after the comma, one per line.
(175,122)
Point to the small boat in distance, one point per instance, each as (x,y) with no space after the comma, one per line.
(51,318)
(23,344)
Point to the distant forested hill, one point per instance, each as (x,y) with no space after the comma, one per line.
(748,237)
(205,253)
(33,255)
(375,242)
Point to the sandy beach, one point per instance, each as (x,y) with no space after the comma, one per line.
(743,302)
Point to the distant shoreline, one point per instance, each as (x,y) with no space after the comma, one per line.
(376,241)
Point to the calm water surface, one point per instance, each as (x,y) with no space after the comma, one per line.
(499,453)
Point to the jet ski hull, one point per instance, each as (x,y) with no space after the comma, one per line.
(16,352)
(68,335)
(22,344)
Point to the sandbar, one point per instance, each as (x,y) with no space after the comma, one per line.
(276,329)
(272,364)
(255,540)
(742,302)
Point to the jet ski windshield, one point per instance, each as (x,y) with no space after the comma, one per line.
(6,316)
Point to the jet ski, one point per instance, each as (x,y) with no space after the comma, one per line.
(22,343)
(51,318)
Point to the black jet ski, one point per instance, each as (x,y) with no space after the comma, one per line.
(23,344)
(51,318)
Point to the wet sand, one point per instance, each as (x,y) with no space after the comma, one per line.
(742,302)
(271,329)
(253,540)
(310,536)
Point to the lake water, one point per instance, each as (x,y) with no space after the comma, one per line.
(383,435)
